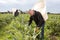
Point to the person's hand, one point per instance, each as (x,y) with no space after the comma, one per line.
(37,29)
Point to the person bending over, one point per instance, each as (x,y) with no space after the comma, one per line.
(39,20)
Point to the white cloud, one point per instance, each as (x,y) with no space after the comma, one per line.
(26,4)
(2,2)
(53,5)
(53,1)
(13,1)
(22,2)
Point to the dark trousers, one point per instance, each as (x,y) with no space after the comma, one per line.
(41,35)
(42,32)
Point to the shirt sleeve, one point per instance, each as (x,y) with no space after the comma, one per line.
(30,21)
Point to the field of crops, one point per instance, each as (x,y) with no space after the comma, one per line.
(16,28)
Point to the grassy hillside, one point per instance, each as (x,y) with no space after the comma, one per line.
(15,28)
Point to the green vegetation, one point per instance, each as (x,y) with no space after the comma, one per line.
(16,28)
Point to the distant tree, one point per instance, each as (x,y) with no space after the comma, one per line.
(48,12)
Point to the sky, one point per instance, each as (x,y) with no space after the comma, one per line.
(52,5)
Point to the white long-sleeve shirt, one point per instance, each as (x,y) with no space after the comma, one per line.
(41,7)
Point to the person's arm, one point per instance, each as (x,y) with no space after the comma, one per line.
(30,21)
